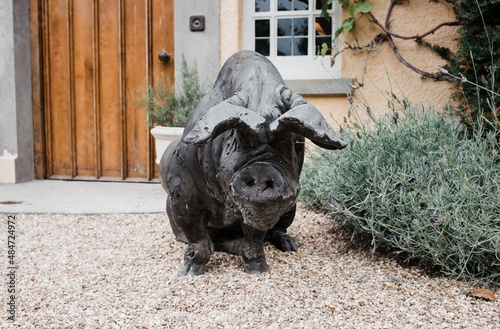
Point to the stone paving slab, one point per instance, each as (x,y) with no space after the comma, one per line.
(81,197)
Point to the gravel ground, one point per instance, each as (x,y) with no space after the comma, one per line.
(121,271)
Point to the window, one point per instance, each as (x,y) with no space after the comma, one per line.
(289,33)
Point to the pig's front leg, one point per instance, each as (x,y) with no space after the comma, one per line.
(200,247)
(278,236)
(189,224)
(253,255)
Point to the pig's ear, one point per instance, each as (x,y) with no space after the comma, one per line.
(222,117)
(305,120)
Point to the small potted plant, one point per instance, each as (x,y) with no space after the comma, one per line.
(168,111)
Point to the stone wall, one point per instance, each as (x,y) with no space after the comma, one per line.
(16,118)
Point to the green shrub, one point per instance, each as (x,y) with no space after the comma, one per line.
(478,59)
(164,106)
(419,187)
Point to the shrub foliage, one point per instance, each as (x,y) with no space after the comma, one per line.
(419,187)
(164,106)
(478,58)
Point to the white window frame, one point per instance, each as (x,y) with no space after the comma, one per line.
(308,67)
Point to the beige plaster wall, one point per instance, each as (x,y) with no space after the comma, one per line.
(384,73)
(230,28)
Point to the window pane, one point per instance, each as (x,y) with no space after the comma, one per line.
(287,5)
(319,43)
(285,47)
(292,46)
(284,5)
(323,34)
(299,47)
(262,46)
(262,28)
(262,5)
(319,5)
(300,26)
(285,27)
(322,26)
(300,4)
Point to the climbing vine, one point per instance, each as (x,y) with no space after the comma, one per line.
(473,67)
(358,8)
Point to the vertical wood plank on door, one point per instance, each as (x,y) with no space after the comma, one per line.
(108,114)
(71,73)
(123,86)
(136,45)
(83,78)
(37,65)
(96,89)
(149,23)
(59,115)
(162,25)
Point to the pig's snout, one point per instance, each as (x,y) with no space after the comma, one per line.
(263,194)
(259,182)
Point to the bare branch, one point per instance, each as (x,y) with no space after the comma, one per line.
(438,77)
(370,46)
(416,37)
(389,11)
(388,35)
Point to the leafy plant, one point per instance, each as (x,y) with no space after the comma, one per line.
(418,186)
(166,108)
(477,61)
(355,8)
(358,8)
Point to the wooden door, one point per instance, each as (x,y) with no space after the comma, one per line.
(93,58)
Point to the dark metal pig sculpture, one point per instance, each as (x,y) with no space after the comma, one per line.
(233,178)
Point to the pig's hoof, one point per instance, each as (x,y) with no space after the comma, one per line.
(191,269)
(256,266)
(196,257)
(283,241)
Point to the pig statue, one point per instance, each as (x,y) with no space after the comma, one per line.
(232,179)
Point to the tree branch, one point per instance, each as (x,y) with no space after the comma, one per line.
(389,11)
(370,46)
(388,35)
(438,77)
(416,37)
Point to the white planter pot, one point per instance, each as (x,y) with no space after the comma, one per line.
(163,137)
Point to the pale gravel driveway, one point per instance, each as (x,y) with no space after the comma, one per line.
(120,271)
